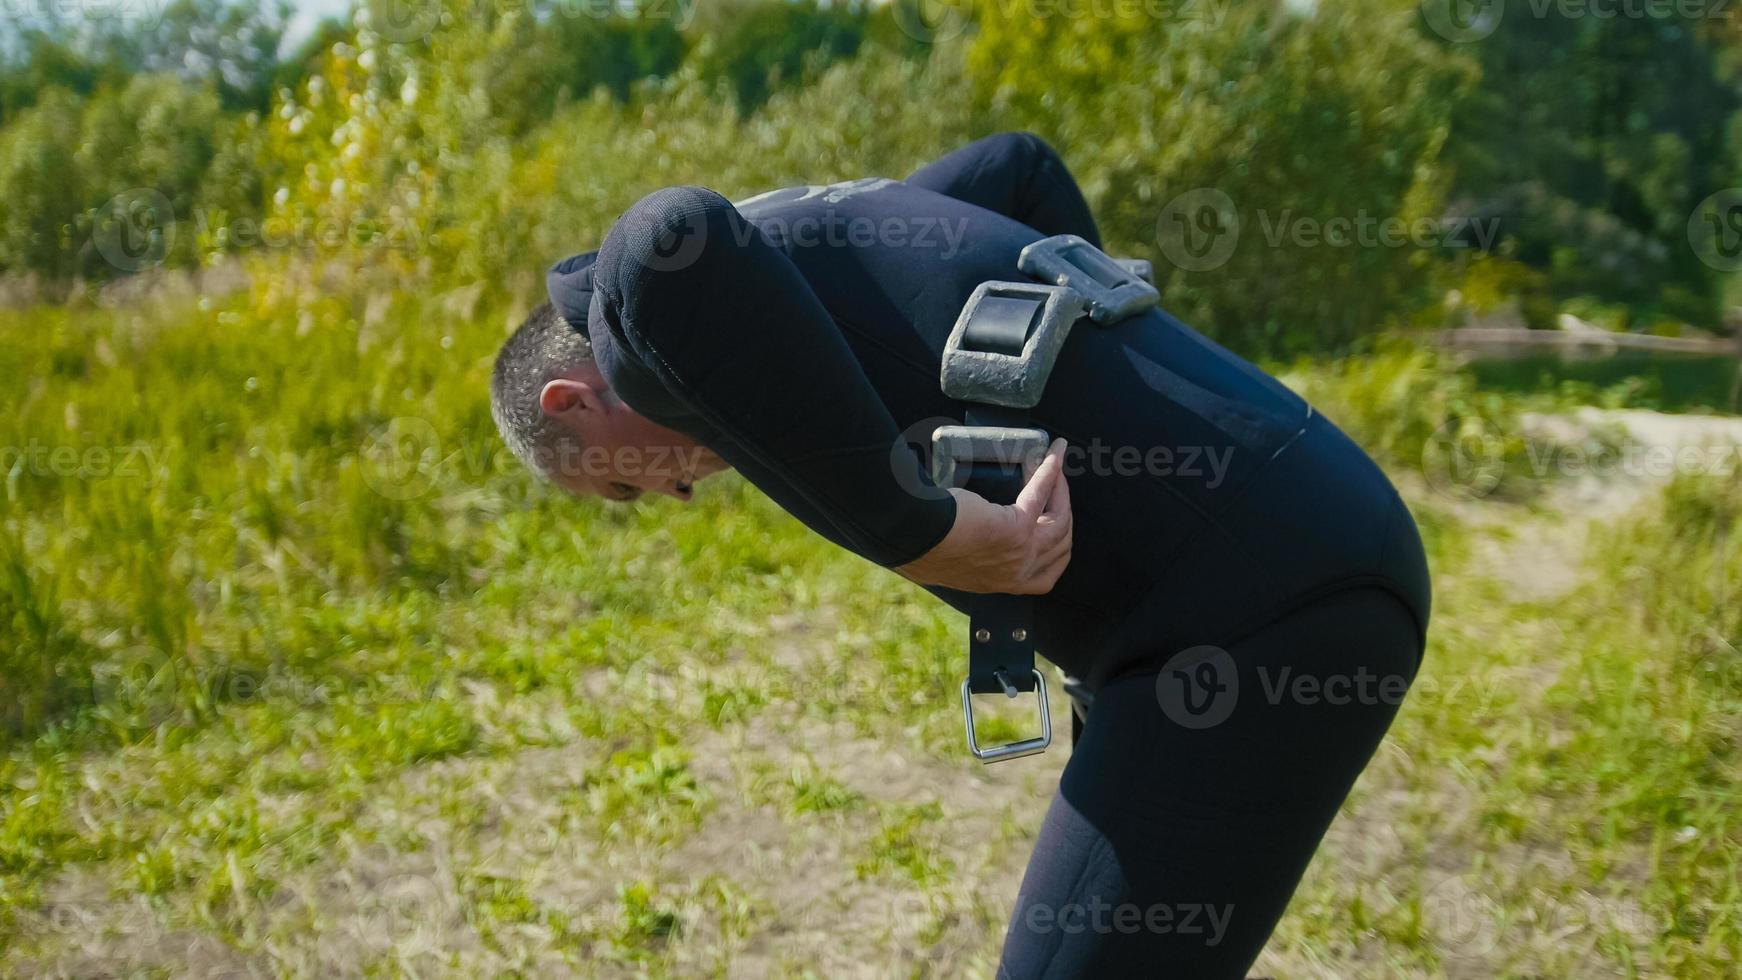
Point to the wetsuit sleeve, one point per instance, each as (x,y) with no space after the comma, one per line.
(729,328)
(1017,175)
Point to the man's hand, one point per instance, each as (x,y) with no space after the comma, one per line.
(1021,549)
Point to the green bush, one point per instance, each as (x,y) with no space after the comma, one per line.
(1592,140)
(1203,136)
(559,193)
(756,48)
(39,183)
(128,161)
(1289,166)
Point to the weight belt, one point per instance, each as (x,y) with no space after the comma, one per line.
(996,362)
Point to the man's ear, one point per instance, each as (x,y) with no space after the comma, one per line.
(566,396)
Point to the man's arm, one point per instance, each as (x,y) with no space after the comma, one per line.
(730,329)
(1017,175)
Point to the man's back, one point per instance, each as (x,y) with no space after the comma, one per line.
(1166,429)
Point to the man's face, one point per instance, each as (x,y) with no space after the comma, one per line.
(625,454)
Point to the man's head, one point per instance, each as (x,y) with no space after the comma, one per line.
(560,417)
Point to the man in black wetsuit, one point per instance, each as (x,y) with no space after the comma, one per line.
(1199,540)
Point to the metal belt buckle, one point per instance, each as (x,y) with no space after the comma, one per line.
(1112,290)
(954,445)
(1010,750)
(1141,268)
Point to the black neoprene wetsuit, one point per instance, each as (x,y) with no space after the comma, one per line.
(799,335)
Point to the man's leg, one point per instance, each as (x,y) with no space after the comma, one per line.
(1172,850)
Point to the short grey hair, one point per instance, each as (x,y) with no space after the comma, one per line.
(543,349)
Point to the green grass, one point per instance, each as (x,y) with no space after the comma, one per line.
(324,630)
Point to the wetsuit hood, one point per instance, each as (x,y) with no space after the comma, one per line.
(570,285)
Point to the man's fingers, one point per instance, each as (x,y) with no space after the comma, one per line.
(1051,531)
(1037,494)
(1053,528)
(1060,502)
(1031,503)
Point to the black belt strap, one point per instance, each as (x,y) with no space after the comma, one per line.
(1000,627)
(996,363)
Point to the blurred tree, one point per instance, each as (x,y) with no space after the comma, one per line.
(1265,154)
(39,183)
(46,61)
(158,132)
(63,161)
(755,47)
(295,66)
(531,65)
(232,46)
(1592,140)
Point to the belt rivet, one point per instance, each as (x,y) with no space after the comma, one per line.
(1020,636)
(983,635)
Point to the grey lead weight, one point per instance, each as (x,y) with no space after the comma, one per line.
(1113,291)
(1004,343)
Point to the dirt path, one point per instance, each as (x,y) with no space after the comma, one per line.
(1603,464)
